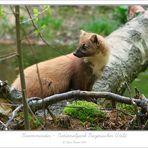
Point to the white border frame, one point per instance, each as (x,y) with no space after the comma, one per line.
(73,2)
(46,139)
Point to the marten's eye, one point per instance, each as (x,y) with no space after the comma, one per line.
(85,46)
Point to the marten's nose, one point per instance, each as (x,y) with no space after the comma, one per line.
(78,53)
(74,53)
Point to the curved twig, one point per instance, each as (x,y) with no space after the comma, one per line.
(4,125)
(35,17)
(14,113)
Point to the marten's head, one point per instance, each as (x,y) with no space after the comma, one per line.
(90,44)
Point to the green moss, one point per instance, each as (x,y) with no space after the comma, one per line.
(84,111)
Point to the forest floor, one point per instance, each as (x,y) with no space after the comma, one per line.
(114,120)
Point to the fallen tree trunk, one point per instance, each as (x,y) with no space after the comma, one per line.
(129,55)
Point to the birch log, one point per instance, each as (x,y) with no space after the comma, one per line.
(129,55)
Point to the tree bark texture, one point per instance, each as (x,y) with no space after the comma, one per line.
(129,55)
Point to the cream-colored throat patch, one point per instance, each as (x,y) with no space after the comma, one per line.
(97,63)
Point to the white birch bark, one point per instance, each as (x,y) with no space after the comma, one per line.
(129,55)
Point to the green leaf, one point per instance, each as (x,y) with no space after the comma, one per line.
(43,26)
(1,11)
(48,10)
(35,12)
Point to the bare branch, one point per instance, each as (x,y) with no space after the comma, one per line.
(6,55)
(9,56)
(40,35)
(36,104)
(36,28)
(14,113)
(12,10)
(39,77)
(33,18)
(4,125)
(124,112)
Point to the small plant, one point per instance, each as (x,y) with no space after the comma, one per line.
(47,22)
(35,122)
(84,111)
(120,13)
(128,108)
(5,24)
(38,122)
(102,26)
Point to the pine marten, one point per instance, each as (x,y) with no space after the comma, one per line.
(74,71)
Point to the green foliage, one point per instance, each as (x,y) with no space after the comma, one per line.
(38,122)
(45,22)
(48,10)
(1,11)
(24,23)
(128,108)
(35,122)
(35,12)
(47,25)
(84,111)
(5,25)
(141,83)
(48,21)
(102,25)
(120,14)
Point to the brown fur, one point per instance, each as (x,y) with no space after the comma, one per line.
(68,72)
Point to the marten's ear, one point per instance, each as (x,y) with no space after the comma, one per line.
(82,32)
(94,39)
